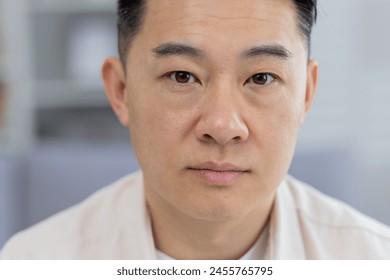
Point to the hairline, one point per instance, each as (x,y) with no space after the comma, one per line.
(124,44)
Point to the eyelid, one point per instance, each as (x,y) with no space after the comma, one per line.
(193,77)
(274,78)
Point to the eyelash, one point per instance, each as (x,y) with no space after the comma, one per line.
(271,76)
(192,78)
(171,75)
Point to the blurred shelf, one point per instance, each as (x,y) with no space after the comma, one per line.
(3,116)
(35,52)
(2,68)
(69,94)
(2,75)
(72,6)
(2,137)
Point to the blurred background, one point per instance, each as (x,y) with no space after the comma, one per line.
(60,141)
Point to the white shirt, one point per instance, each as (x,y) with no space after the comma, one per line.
(114,224)
(256,252)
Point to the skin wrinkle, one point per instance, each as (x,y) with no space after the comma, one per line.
(261,21)
(300,23)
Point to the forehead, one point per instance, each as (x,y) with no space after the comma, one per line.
(221,23)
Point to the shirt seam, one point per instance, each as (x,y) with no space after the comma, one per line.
(342,227)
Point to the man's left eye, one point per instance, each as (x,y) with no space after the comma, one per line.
(262,79)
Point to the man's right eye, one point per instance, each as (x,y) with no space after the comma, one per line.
(182,77)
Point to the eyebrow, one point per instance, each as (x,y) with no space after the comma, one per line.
(173,49)
(180,49)
(277,51)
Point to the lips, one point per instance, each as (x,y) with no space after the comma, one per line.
(218,174)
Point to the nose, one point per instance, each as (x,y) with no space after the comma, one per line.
(221,121)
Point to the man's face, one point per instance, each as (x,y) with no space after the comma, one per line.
(215,92)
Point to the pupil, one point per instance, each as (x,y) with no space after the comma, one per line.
(182,77)
(260,79)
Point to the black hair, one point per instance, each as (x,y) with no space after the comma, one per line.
(307,16)
(131,14)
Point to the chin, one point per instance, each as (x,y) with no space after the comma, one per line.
(215,210)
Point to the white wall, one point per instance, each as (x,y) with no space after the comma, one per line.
(352,44)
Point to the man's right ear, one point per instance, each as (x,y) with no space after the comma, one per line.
(114,79)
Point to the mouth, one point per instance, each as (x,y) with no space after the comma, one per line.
(218,174)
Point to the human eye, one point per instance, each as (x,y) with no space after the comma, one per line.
(182,77)
(262,79)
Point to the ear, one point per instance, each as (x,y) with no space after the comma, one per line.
(114,79)
(311,85)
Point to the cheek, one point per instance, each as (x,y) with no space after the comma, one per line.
(287,123)
(275,133)
(155,131)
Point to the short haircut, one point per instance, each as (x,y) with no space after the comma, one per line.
(131,14)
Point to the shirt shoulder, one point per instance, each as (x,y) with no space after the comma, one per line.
(69,234)
(332,229)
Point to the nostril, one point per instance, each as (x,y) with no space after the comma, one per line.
(207,136)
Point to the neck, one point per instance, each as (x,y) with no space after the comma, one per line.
(183,237)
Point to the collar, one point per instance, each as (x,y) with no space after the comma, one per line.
(285,238)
